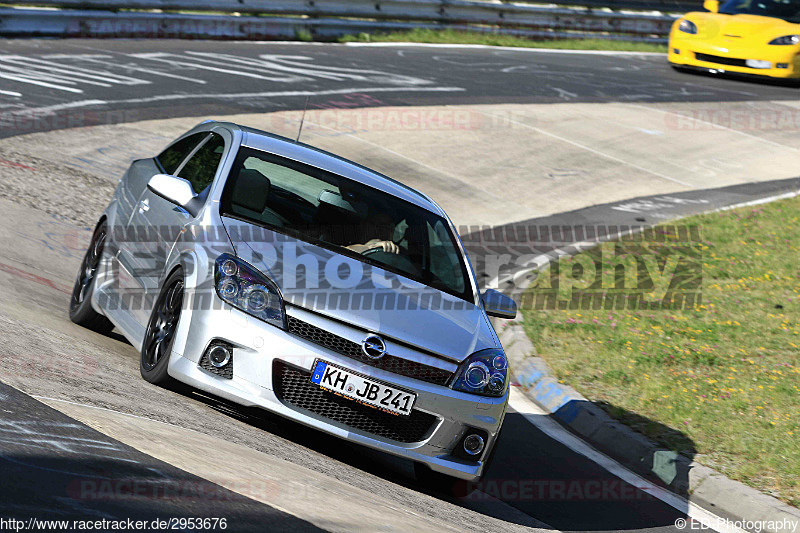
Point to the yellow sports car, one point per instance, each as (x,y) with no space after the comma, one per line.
(760,37)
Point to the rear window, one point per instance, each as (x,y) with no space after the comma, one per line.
(351,218)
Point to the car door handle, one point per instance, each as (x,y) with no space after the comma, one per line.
(144,206)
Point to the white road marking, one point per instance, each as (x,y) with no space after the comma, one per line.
(99,59)
(514,68)
(20,462)
(83,75)
(224,96)
(270,94)
(504,48)
(541,419)
(278,68)
(34,81)
(60,107)
(563,93)
(66,72)
(61,78)
(33,433)
(198,63)
(304,66)
(59,400)
(57,75)
(589,149)
(760,201)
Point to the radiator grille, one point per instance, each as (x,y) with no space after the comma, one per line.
(721,60)
(390,363)
(293,387)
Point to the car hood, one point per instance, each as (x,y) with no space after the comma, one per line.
(321,280)
(732,29)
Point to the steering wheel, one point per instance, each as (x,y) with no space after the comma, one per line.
(372,251)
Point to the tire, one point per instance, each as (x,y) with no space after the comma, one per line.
(160,333)
(80,306)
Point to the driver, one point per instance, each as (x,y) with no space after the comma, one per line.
(381,228)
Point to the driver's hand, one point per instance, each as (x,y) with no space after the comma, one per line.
(387,246)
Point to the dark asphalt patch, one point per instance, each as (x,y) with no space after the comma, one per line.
(56,468)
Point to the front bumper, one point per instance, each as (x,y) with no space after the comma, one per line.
(684,51)
(257,347)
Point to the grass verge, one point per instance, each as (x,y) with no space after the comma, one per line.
(724,377)
(492,39)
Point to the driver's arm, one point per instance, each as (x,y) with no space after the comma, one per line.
(386,246)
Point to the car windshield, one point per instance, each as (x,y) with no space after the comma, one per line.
(788,10)
(351,218)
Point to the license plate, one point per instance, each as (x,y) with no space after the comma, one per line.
(362,389)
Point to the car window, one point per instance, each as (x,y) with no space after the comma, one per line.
(445,259)
(349,217)
(201,168)
(171,158)
(291,180)
(788,10)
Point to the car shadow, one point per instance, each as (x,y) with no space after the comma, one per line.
(119,337)
(533,479)
(545,478)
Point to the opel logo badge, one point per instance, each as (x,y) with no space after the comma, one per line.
(373,347)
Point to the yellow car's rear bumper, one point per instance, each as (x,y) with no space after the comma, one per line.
(693,52)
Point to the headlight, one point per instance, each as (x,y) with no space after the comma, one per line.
(687,26)
(484,373)
(244,287)
(786,40)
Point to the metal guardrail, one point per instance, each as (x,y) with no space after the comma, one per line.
(666,6)
(264,19)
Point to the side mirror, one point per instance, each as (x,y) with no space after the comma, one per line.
(498,304)
(174,190)
(711,5)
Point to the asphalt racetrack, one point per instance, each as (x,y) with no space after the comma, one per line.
(139,80)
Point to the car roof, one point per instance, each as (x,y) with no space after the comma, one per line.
(310,155)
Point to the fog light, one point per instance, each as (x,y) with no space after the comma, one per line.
(782,65)
(676,50)
(219,356)
(473,444)
(758,63)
